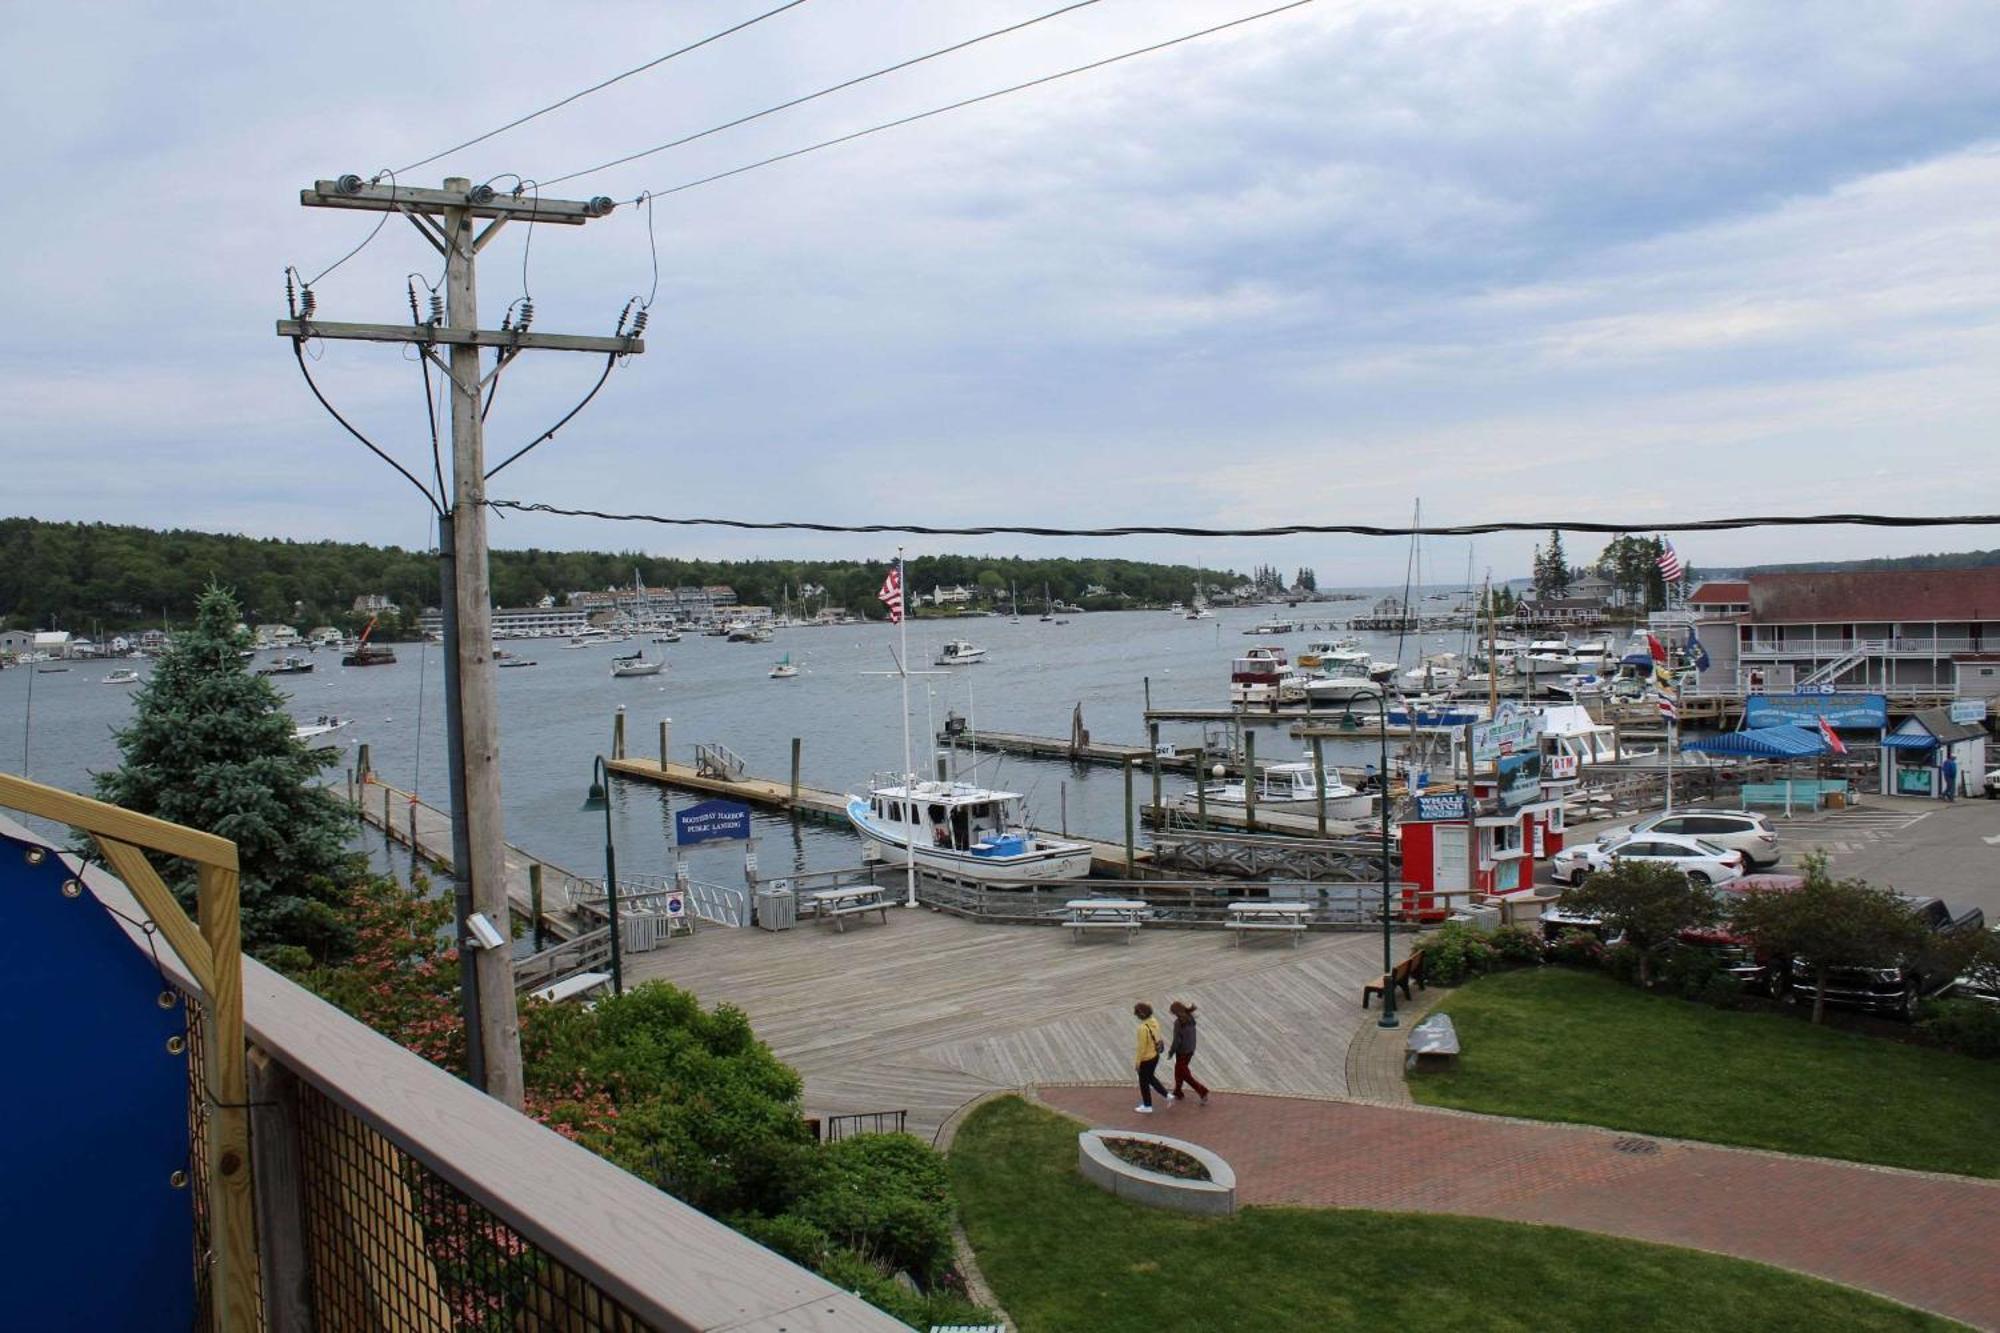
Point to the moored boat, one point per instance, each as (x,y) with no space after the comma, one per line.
(1289,789)
(957,831)
(959,652)
(122,677)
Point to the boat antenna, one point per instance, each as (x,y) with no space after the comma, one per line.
(909,773)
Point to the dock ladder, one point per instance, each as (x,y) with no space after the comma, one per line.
(716,760)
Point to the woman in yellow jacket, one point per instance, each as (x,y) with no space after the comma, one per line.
(1152,1044)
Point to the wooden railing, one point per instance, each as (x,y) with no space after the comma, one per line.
(585,953)
(1198,903)
(211,951)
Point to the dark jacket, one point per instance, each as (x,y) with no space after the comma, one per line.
(1183,1042)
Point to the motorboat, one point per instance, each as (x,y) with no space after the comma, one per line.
(958,652)
(1425,714)
(325,725)
(1438,671)
(783,669)
(292,665)
(1345,683)
(635,665)
(1289,789)
(1254,678)
(517,662)
(957,831)
(1273,625)
(671,636)
(123,677)
(1319,654)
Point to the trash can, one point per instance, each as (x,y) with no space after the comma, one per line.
(777,906)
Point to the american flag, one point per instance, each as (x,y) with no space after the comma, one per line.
(1669,562)
(892,594)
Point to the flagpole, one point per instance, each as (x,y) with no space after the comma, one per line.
(909,769)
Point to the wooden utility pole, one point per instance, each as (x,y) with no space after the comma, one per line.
(449,219)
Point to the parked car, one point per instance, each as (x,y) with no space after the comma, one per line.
(1739,956)
(1893,989)
(1697,858)
(1739,830)
(1983,986)
(1993,785)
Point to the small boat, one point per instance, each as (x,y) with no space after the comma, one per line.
(512,662)
(671,636)
(958,652)
(961,832)
(635,665)
(1289,789)
(325,725)
(293,665)
(783,669)
(1273,625)
(1343,682)
(122,677)
(370,654)
(49,670)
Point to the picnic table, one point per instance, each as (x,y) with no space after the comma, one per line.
(1126,914)
(836,905)
(1289,915)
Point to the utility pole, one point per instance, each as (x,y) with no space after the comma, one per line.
(449,220)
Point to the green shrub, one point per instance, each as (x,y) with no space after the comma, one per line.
(878,1286)
(1577,948)
(884,1195)
(1622,961)
(1454,954)
(1687,971)
(1721,990)
(790,1235)
(1518,946)
(1970,1027)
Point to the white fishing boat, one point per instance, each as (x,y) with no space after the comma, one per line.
(325,725)
(1254,678)
(636,665)
(958,652)
(782,669)
(122,677)
(1288,789)
(954,830)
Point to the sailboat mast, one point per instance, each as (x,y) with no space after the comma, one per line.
(909,771)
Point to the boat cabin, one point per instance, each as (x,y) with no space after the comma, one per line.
(954,815)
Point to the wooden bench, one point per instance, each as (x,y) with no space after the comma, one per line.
(1289,917)
(1433,1044)
(573,987)
(836,905)
(1401,976)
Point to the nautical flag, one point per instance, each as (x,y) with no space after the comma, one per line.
(1669,709)
(1832,737)
(1699,653)
(1669,562)
(1663,676)
(1656,648)
(892,594)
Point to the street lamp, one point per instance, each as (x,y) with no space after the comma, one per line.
(1388,1018)
(600,799)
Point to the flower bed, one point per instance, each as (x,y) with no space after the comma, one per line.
(1161,1157)
(1156,1171)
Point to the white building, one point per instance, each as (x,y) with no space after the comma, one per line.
(54,642)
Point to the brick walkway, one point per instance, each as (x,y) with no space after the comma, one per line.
(1926,1240)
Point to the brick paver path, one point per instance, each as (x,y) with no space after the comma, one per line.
(1926,1240)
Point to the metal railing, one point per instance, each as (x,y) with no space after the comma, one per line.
(639,895)
(1194,903)
(1908,645)
(589,952)
(834,1128)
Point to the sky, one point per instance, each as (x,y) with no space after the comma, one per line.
(1621,262)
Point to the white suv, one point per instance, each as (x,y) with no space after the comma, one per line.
(1739,830)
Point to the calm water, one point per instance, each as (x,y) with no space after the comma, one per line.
(556,716)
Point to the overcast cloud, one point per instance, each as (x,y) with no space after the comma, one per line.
(1595,261)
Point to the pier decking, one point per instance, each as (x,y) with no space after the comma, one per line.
(929,1011)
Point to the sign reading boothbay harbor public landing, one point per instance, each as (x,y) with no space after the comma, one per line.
(711,821)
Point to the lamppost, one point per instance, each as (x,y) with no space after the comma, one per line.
(1388,1018)
(600,799)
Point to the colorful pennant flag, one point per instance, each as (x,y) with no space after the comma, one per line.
(1830,736)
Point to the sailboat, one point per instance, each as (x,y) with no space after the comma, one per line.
(783,669)
(1014,600)
(1048,605)
(1198,608)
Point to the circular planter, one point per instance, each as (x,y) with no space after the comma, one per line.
(1103,1168)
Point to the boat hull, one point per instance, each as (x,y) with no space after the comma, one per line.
(1064,862)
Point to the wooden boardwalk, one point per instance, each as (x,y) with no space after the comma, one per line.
(929,1011)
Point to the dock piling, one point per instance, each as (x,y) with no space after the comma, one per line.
(1130,832)
(1201,788)
(535,901)
(1319,784)
(618,734)
(663,745)
(795,772)
(1250,779)
(1153,733)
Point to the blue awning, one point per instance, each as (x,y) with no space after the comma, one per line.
(1785,742)
(1903,740)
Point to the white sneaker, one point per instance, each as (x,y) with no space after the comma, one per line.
(1143,1110)
(1172,1096)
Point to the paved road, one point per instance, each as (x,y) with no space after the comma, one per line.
(1927,1240)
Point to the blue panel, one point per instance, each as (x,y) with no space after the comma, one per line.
(96,1122)
(707,821)
(1842,710)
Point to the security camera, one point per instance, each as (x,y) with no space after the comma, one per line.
(485,935)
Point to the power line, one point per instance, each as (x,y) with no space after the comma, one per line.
(983,97)
(600,87)
(833,88)
(1292,529)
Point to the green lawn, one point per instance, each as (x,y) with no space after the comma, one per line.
(1553,1043)
(1065,1257)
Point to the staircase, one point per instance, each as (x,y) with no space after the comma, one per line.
(716,760)
(1845,663)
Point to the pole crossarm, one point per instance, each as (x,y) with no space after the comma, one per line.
(480,202)
(425,334)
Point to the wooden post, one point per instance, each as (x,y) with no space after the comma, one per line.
(535,901)
(1249,780)
(663,748)
(388,819)
(618,735)
(1065,809)
(284,1272)
(795,772)
(413,829)
(1129,832)
(231,1205)
(1147,681)
(1153,731)
(1201,788)
(362,766)
(1319,783)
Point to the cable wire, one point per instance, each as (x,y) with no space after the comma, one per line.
(375,231)
(833,88)
(298,351)
(550,433)
(1287,529)
(600,87)
(983,97)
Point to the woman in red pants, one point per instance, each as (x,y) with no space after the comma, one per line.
(1182,1049)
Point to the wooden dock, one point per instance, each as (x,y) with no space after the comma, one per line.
(1106,858)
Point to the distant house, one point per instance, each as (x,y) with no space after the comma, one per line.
(276,636)
(54,642)
(1559,612)
(17,641)
(153,641)
(1598,588)
(1721,597)
(957,595)
(373,604)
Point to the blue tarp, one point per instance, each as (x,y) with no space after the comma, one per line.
(1764,742)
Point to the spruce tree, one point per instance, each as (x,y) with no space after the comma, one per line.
(211,746)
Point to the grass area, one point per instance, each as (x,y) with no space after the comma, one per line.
(1553,1043)
(1065,1257)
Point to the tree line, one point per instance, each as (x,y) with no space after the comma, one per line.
(1630,564)
(81,576)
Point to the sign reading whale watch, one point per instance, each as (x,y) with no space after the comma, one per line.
(711,821)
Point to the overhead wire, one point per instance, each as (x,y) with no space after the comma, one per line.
(1284,529)
(373,232)
(600,87)
(823,92)
(983,97)
(298,352)
(609,361)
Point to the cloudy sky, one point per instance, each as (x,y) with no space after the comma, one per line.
(1619,262)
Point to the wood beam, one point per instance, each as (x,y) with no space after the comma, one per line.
(437,334)
(380,198)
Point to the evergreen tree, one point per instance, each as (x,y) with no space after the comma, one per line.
(1555,580)
(211,746)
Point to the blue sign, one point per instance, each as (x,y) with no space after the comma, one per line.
(711,821)
(1446,805)
(1847,711)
